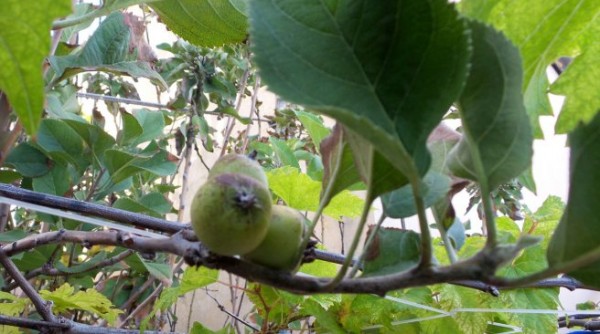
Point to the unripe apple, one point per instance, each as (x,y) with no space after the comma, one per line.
(239,164)
(281,248)
(230,213)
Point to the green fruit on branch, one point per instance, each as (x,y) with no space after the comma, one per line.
(239,164)
(281,248)
(230,213)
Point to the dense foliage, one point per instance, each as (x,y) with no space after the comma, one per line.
(388,73)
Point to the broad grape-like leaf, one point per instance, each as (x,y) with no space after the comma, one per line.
(108,50)
(578,231)
(543,30)
(497,141)
(24,27)
(204,22)
(543,222)
(531,260)
(301,192)
(392,251)
(66,299)
(387,70)
(579,84)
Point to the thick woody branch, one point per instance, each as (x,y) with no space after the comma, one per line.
(475,273)
(90,209)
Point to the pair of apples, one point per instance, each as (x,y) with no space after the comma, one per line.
(233,214)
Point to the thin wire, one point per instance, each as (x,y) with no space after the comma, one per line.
(81,218)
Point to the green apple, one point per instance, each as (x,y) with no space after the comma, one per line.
(230,213)
(239,164)
(281,248)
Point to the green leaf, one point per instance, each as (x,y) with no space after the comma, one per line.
(94,136)
(28,160)
(393,250)
(284,153)
(198,328)
(121,164)
(530,261)
(60,141)
(153,204)
(338,161)
(108,49)
(497,141)
(195,278)
(161,271)
(579,83)
(84,19)
(543,30)
(326,321)
(455,297)
(543,222)
(314,126)
(478,9)
(152,123)
(279,304)
(204,22)
(130,130)
(56,182)
(400,203)
(374,75)
(12,235)
(66,299)
(376,172)
(301,192)
(14,306)
(63,104)
(24,27)
(578,232)
(9,176)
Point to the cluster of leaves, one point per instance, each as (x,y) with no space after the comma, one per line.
(388,82)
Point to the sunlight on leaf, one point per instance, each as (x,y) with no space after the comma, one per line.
(543,30)
(204,22)
(301,192)
(66,299)
(24,27)
(578,231)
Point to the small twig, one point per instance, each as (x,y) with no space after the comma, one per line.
(134,296)
(94,185)
(10,141)
(47,271)
(4,216)
(187,161)
(224,310)
(252,110)
(142,305)
(140,103)
(238,105)
(40,305)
